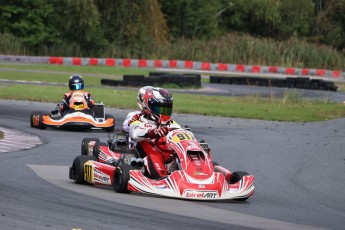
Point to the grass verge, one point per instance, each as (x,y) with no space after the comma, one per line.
(251,107)
(288,108)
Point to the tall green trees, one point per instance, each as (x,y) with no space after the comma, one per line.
(28,20)
(132,24)
(192,18)
(329,27)
(139,28)
(78,22)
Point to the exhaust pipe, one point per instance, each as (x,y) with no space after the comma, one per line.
(137,162)
(140,163)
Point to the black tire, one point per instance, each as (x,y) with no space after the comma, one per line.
(96,148)
(237,176)
(32,116)
(111,128)
(77,169)
(121,178)
(41,125)
(85,145)
(109,82)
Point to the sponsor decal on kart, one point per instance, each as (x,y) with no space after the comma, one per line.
(78,106)
(159,185)
(201,186)
(199,174)
(201,194)
(101,177)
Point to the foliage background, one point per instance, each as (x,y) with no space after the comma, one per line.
(295,33)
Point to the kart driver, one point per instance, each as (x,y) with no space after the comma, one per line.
(148,125)
(75,83)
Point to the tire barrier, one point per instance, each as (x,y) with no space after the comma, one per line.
(289,82)
(156,79)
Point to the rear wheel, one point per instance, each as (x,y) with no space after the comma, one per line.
(77,170)
(121,178)
(85,145)
(96,148)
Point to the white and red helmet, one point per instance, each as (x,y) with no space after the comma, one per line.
(140,96)
(158,103)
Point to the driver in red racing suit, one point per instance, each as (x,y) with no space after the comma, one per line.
(149,125)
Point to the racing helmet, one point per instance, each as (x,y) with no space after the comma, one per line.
(159,104)
(140,97)
(76,82)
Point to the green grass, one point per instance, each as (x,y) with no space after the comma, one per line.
(86,70)
(245,107)
(59,74)
(1,135)
(291,107)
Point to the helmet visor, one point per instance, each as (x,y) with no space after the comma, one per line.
(77,86)
(162,110)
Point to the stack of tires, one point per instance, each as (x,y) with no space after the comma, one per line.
(157,79)
(288,82)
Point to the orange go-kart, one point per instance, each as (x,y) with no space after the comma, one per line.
(78,116)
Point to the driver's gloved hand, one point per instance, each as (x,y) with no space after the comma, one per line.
(158,132)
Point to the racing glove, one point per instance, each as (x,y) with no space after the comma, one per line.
(158,132)
(136,117)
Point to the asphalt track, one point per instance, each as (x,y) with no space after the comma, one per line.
(299,173)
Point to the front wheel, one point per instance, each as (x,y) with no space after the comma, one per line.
(121,178)
(77,169)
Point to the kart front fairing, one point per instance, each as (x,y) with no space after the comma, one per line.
(77,118)
(195,179)
(180,185)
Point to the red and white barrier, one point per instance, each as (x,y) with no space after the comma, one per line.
(177,64)
(192,65)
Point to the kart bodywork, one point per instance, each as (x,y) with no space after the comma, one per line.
(79,116)
(192,173)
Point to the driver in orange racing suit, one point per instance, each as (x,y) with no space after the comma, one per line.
(75,83)
(149,125)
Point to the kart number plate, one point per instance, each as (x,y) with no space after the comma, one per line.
(181,137)
(78,106)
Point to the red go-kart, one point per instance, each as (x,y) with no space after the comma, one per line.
(192,173)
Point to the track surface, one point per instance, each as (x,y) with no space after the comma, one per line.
(299,173)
